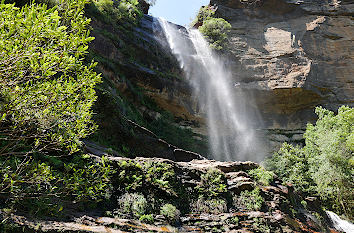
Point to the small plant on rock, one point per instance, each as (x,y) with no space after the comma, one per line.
(262,176)
(132,204)
(215,31)
(161,176)
(250,200)
(147,218)
(214,206)
(170,212)
(213,184)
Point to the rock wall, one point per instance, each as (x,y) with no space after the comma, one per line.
(291,56)
(288,56)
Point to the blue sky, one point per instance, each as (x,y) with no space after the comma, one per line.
(177,11)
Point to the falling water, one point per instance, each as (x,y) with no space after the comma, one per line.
(340,224)
(231,135)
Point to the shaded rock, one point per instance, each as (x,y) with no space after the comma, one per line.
(185,156)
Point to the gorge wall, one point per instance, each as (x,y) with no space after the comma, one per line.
(292,55)
(288,55)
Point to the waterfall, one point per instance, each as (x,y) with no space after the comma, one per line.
(340,224)
(232,135)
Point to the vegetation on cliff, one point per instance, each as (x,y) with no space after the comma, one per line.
(214,29)
(325,165)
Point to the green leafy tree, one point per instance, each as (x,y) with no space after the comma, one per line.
(46,90)
(205,12)
(125,12)
(325,166)
(330,151)
(215,30)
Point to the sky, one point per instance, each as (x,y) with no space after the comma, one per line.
(180,12)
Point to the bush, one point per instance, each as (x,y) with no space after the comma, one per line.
(170,212)
(325,165)
(262,176)
(212,184)
(119,12)
(291,165)
(215,30)
(213,206)
(46,91)
(252,201)
(147,218)
(41,187)
(132,204)
(205,12)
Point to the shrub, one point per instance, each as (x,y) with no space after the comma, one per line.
(212,185)
(132,204)
(40,187)
(205,12)
(261,225)
(325,165)
(291,165)
(215,30)
(46,91)
(213,206)
(170,212)
(262,176)
(250,200)
(147,218)
(119,12)
(160,175)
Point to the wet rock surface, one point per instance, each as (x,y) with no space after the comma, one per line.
(281,210)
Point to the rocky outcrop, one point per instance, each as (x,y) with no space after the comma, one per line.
(281,209)
(291,56)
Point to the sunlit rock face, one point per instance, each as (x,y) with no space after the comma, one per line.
(287,55)
(292,55)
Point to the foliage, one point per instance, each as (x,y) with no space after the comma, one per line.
(330,148)
(126,12)
(205,12)
(41,187)
(212,206)
(46,91)
(234,220)
(212,184)
(160,175)
(46,95)
(261,225)
(291,165)
(147,218)
(132,204)
(250,200)
(170,212)
(215,31)
(153,175)
(262,176)
(130,176)
(325,165)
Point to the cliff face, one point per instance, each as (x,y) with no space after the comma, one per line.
(288,56)
(292,55)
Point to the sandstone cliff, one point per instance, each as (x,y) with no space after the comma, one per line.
(288,56)
(292,55)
